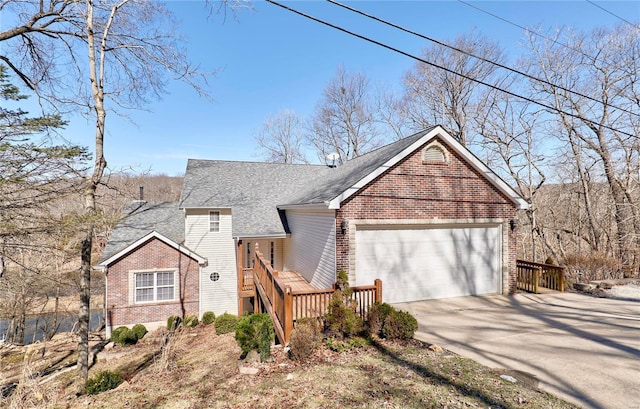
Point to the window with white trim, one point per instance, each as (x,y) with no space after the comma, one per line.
(214,221)
(154,286)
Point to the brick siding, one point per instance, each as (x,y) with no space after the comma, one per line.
(414,190)
(152,255)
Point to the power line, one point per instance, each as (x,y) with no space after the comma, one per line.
(406,54)
(610,12)
(497,64)
(528,30)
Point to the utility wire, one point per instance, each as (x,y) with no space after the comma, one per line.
(528,30)
(610,12)
(497,64)
(406,54)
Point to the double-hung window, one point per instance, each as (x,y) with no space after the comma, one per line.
(154,286)
(214,221)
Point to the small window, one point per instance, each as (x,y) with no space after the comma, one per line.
(434,154)
(214,221)
(154,286)
(272,253)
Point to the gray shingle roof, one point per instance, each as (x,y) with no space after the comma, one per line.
(251,189)
(347,175)
(140,219)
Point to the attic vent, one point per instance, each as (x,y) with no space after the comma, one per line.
(434,154)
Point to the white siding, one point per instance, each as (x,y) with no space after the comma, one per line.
(311,249)
(219,249)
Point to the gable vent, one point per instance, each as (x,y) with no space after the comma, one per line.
(434,154)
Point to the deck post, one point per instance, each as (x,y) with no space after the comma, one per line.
(288,313)
(536,280)
(378,283)
(240,274)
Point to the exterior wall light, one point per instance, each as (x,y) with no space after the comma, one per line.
(343,226)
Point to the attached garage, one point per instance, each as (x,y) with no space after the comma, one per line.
(429,261)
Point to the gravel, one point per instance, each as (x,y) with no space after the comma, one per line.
(624,292)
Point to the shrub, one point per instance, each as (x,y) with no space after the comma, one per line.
(208,318)
(127,337)
(399,325)
(305,338)
(190,321)
(173,322)
(103,381)
(226,323)
(375,319)
(256,332)
(341,318)
(115,334)
(140,331)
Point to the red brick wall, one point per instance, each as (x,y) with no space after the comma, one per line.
(154,254)
(414,190)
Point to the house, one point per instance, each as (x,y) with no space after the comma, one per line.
(422,214)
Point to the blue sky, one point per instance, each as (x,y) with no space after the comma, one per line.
(270,59)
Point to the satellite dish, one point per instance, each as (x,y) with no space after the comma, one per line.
(332,158)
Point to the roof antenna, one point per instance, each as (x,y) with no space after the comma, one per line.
(331,159)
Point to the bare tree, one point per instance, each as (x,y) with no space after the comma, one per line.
(435,96)
(112,56)
(604,64)
(344,121)
(280,138)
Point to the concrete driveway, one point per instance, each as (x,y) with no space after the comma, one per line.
(583,349)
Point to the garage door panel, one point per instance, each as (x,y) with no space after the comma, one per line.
(423,263)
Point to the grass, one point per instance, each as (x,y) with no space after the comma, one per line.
(204,374)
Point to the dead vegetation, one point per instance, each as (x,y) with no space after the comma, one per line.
(197,369)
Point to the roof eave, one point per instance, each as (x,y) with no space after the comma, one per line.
(154,234)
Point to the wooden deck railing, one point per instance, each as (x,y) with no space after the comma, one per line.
(247,279)
(533,276)
(286,306)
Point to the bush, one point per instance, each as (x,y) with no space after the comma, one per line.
(256,332)
(208,318)
(375,319)
(140,331)
(226,323)
(173,322)
(190,321)
(305,338)
(399,325)
(115,334)
(341,318)
(103,381)
(127,337)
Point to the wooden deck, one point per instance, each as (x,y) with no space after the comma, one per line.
(295,280)
(538,277)
(287,296)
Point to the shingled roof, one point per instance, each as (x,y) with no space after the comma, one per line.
(255,190)
(354,170)
(141,218)
(252,189)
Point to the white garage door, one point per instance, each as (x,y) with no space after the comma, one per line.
(419,263)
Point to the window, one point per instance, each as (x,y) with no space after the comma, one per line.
(154,286)
(214,221)
(272,253)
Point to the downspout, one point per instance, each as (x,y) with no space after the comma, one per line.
(107,327)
